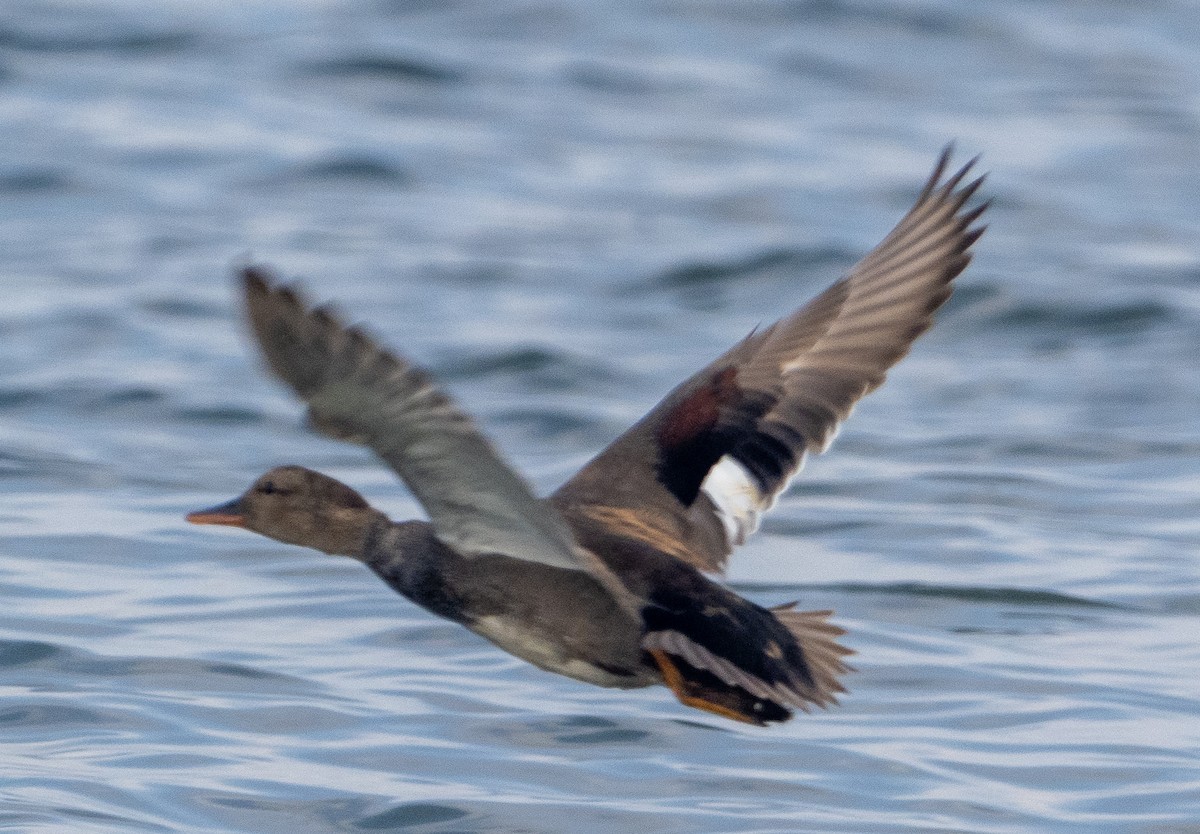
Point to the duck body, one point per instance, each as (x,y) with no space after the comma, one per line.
(608,581)
(569,623)
(560,620)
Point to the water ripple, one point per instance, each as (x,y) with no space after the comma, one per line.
(570,206)
(389,68)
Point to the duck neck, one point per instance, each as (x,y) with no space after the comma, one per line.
(411,548)
(409,556)
(349,532)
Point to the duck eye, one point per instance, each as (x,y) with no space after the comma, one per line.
(268,488)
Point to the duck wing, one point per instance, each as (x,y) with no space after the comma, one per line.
(694,476)
(358,391)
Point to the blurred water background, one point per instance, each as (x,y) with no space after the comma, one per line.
(563,207)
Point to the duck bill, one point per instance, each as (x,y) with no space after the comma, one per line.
(230,514)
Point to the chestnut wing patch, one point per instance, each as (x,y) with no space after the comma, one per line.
(692,438)
(719,418)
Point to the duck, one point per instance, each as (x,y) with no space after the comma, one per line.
(615,578)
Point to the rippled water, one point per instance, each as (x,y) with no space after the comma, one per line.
(563,208)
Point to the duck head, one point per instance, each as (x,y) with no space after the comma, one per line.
(296,505)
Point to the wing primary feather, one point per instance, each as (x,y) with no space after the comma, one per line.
(356,390)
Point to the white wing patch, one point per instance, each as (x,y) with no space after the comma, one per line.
(738,500)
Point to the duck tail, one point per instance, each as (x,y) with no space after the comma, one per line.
(818,640)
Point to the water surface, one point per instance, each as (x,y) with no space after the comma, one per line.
(563,208)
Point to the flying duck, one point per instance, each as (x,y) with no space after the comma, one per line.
(608,580)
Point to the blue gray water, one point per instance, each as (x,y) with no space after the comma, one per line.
(563,207)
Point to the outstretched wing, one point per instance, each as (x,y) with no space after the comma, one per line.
(358,391)
(697,472)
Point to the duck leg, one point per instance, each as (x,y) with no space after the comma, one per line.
(709,699)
